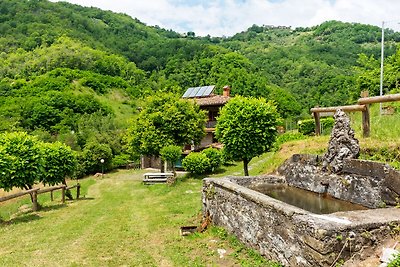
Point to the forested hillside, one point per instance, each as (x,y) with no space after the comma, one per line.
(79,74)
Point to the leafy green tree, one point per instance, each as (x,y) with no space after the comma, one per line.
(247,128)
(59,162)
(166,120)
(171,154)
(27,162)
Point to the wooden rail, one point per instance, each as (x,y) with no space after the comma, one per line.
(351,108)
(37,191)
(363,106)
(379,99)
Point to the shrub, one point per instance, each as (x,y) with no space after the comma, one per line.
(215,157)
(120,160)
(91,158)
(327,125)
(307,127)
(196,163)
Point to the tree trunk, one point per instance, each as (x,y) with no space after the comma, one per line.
(27,187)
(246,167)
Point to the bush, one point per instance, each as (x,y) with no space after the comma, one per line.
(215,157)
(307,127)
(196,163)
(91,158)
(120,161)
(327,125)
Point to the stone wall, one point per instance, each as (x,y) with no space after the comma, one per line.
(289,235)
(363,182)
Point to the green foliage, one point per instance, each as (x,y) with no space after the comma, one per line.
(215,157)
(59,162)
(121,160)
(171,153)
(196,163)
(247,128)
(26,161)
(395,262)
(23,164)
(91,156)
(166,120)
(307,127)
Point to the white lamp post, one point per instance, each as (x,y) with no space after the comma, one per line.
(102,166)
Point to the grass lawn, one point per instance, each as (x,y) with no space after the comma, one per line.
(120,222)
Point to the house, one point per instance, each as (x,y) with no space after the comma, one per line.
(205,97)
(210,102)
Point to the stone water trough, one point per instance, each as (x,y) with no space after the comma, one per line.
(295,236)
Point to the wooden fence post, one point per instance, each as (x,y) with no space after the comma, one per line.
(317,123)
(51,195)
(63,194)
(35,205)
(78,190)
(365,117)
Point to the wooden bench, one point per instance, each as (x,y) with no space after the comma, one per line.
(156,177)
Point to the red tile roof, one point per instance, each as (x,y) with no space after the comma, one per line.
(214,100)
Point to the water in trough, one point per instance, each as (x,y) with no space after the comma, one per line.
(318,203)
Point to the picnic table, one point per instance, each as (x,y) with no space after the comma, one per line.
(156,177)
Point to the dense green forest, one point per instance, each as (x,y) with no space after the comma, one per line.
(79,75)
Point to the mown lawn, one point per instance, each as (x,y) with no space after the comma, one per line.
(119,222)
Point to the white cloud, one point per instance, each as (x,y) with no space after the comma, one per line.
(227,17)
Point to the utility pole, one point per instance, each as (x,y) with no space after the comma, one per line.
(382,55)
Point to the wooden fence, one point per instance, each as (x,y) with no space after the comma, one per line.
(363,106)
(37,191)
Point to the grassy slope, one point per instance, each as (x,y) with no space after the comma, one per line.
(120,222)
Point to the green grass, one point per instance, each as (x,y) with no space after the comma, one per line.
(120,222)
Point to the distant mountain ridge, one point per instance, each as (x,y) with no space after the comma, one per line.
(297,68)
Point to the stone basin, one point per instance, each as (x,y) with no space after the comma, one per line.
(296,237)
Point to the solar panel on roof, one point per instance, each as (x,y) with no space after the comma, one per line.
(209,90)
(201,91)
(187,93)
(198,91)
(194,92)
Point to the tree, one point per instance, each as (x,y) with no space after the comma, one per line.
(171,154)
(59,162)
(26,164)
(247,128)
(166,120)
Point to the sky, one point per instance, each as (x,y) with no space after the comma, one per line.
(227,17)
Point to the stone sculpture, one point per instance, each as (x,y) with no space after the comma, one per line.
(342,144)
